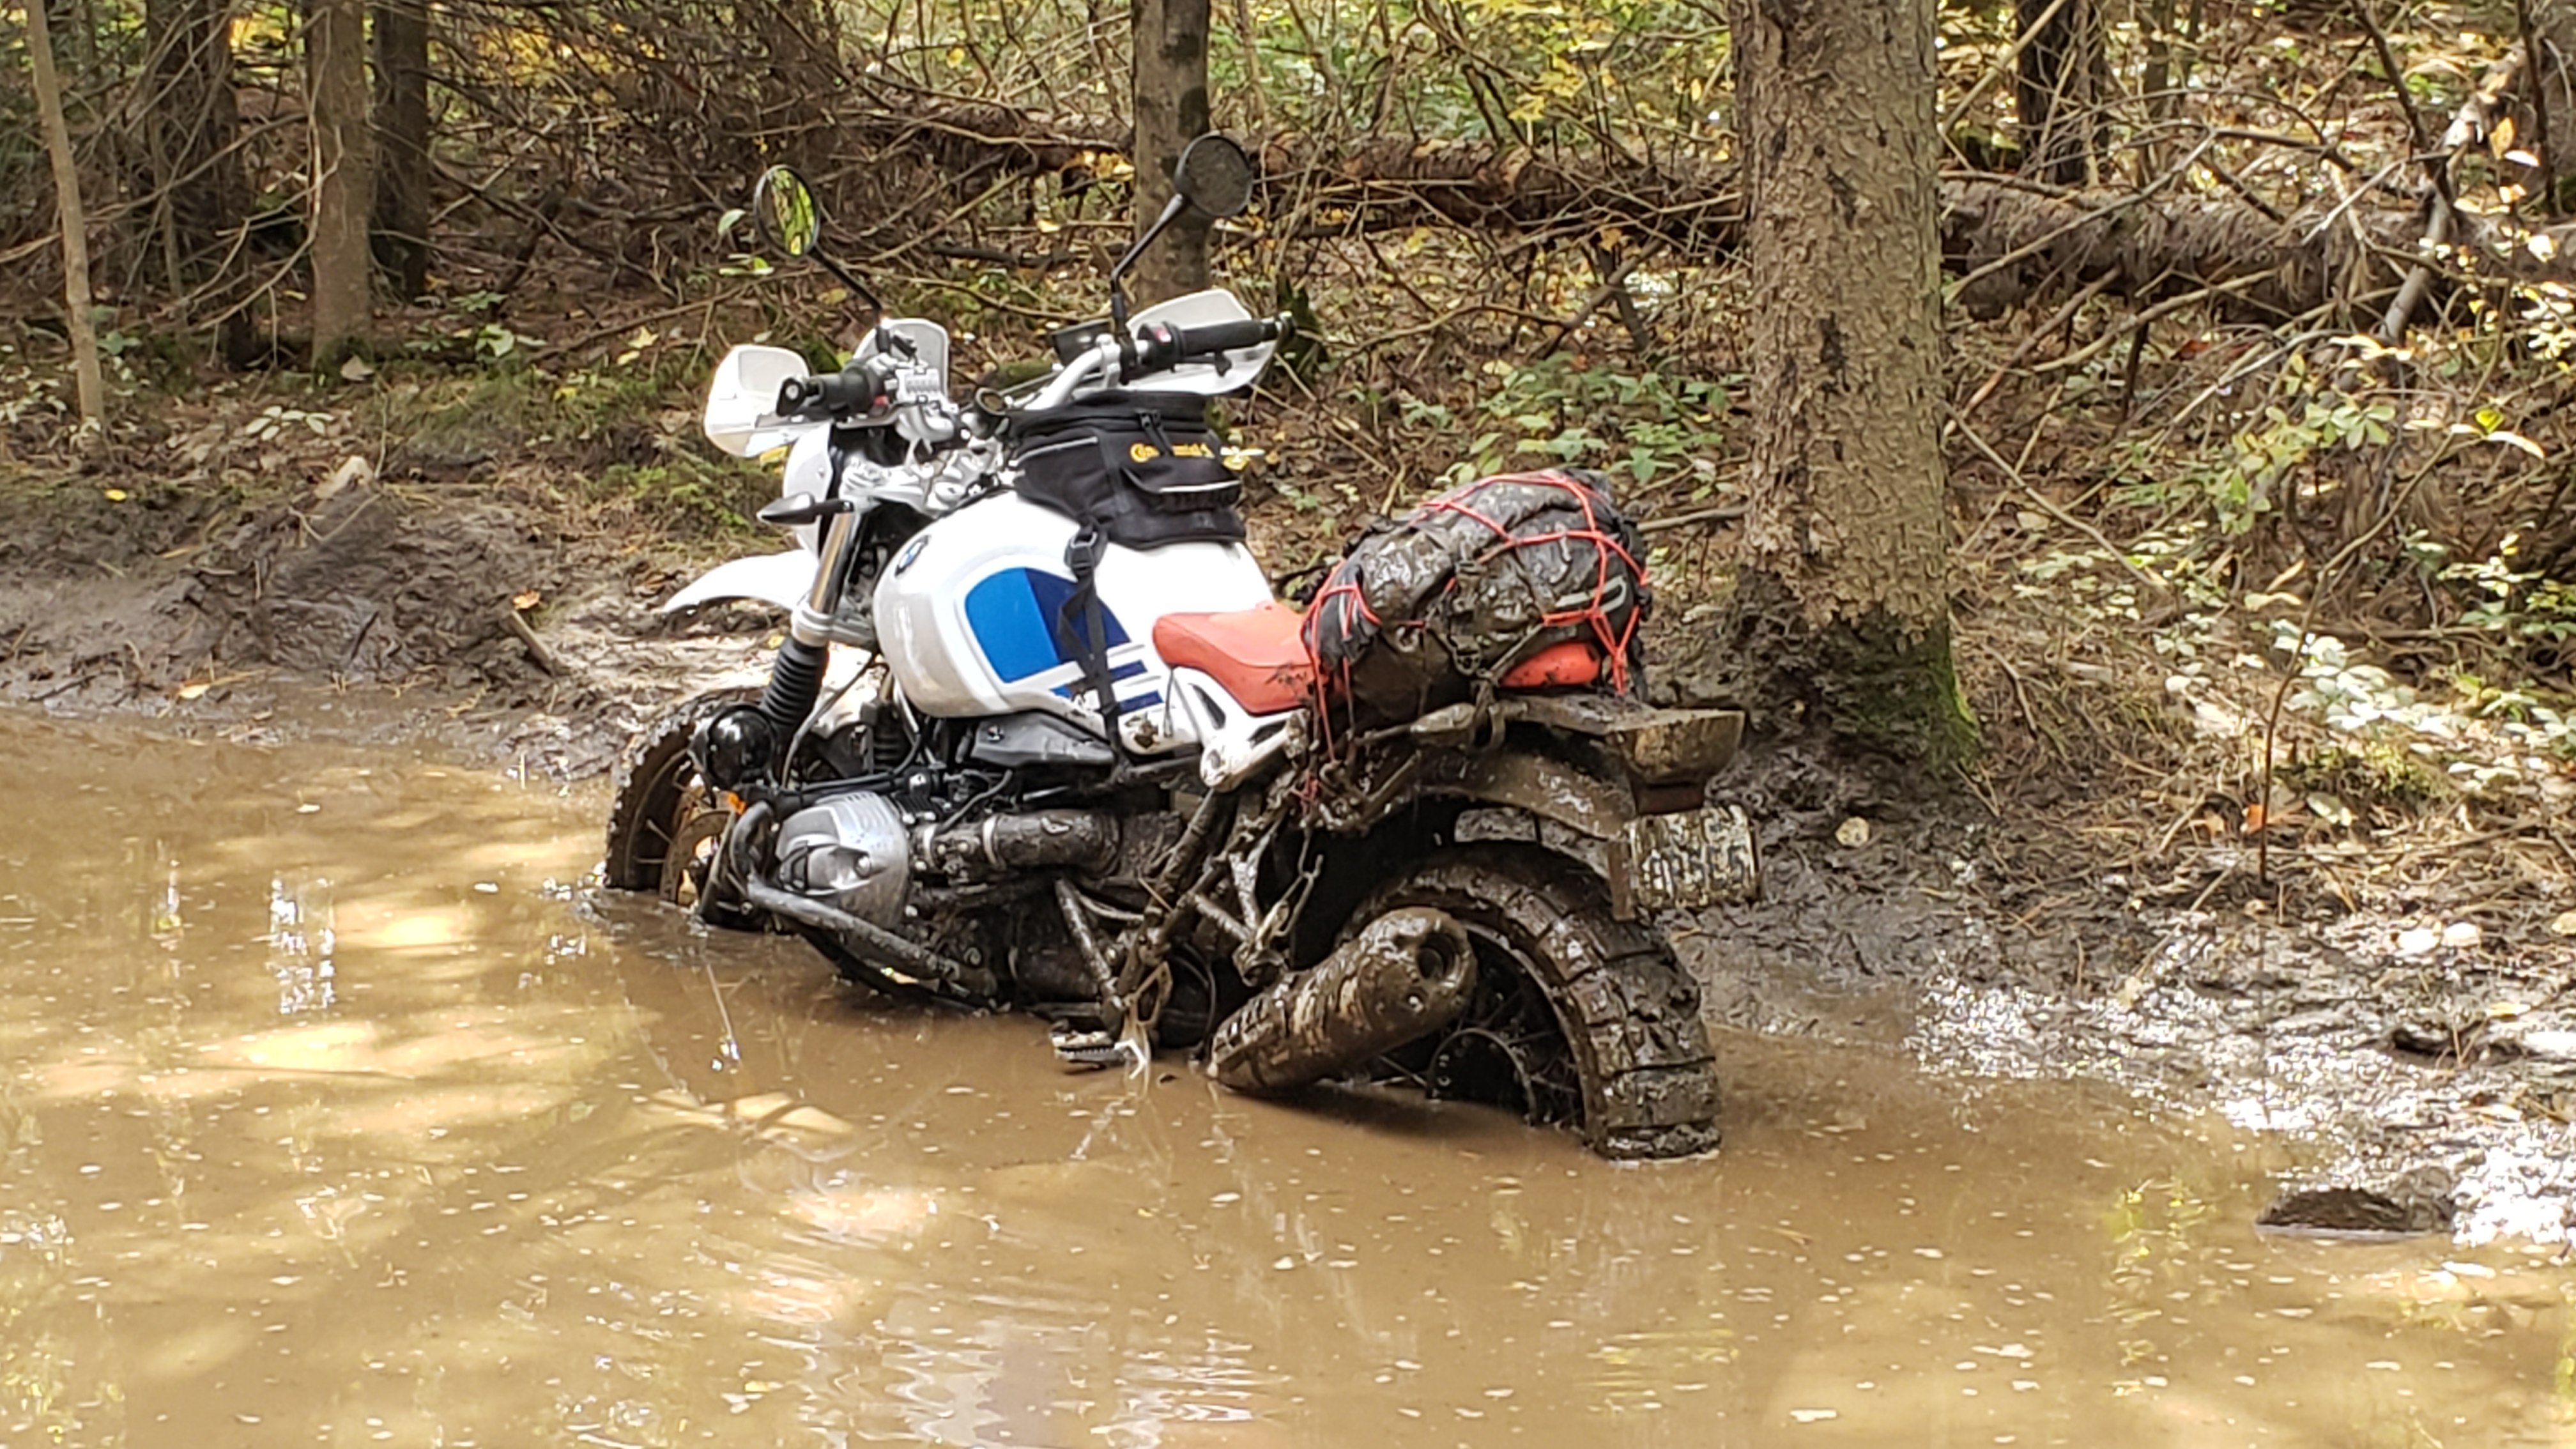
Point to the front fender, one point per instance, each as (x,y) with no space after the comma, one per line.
(783,579)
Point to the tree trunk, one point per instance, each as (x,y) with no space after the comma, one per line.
(402,144)
(2059,89)
(1842,612)
(1171,105)
(91,386)
(335,75)
(190,123)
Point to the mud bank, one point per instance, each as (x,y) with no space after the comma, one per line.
(2416,1056)
(415,616)
(2382,1042)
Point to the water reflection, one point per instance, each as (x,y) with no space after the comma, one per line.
(331,1115)
(300,941)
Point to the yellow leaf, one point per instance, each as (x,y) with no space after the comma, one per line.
(116,495)
(191,691)
(526,599)
(2500,140)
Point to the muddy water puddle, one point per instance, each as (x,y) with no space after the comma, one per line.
(333,1110)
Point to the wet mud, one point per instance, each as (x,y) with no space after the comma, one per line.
(336,1109)
(427,617)
(2401,1051)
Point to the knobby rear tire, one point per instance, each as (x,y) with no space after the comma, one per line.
(1625,1014)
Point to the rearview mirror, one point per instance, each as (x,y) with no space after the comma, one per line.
(1214,176)
(784,208)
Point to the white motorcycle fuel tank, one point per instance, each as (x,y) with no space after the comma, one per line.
(968,617)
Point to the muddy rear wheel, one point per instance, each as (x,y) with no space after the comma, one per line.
(1578,1019)
(663,828)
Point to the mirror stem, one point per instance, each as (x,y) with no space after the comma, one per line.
(857,288)
(1118,294)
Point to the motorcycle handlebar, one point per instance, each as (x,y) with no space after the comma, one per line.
(1161,345)
(859,391)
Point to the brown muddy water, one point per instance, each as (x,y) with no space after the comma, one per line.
(335,1109)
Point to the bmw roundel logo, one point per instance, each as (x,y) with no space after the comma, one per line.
(910,552)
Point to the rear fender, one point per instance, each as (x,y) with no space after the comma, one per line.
(1589,804)
(1650,859)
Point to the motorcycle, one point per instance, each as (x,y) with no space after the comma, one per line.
(1040,737)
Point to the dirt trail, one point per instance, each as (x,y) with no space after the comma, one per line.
(469,625)
(2386,1042)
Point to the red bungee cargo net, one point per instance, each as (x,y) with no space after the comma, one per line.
(1428,609)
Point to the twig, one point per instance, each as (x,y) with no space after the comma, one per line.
(537,651)
(2542,146)
(2147,318)
(1977,441)
(2029,344)
(2392,326)
(2396,77)
(2272,729)
(2003,63)
(1721,513)
(626,326)
(1613,284)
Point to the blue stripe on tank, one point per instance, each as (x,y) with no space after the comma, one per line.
(1017,641)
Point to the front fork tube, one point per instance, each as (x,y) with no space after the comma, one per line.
(796,676)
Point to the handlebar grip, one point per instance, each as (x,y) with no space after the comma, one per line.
(1162,345)
(1231,336)
(859,389)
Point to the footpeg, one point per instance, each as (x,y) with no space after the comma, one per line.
(1095,1050)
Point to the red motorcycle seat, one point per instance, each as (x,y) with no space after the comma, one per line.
(1259,655)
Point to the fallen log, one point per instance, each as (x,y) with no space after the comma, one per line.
(2016,241)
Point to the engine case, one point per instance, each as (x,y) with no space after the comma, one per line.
(851,850)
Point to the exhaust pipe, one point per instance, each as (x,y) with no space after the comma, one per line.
(1405,975)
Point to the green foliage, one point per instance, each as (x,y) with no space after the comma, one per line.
(2403,740)
(1557,412)
(26,392)
(691,494)
(2360,770)
(2310,417)
(2521,604)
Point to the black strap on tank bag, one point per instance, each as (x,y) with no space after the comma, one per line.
(1083,621)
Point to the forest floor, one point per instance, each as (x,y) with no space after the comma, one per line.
(2273,884)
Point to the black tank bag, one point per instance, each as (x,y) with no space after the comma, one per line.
(1132,468)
